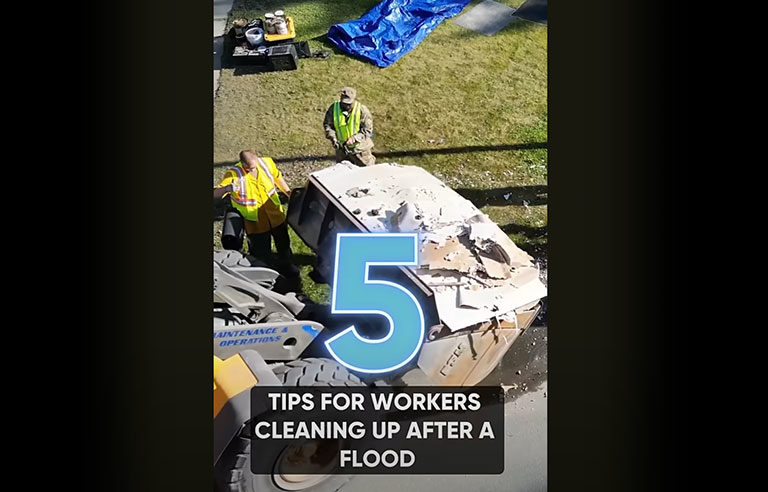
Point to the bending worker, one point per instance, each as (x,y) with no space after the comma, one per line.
(349,126)
(252,186)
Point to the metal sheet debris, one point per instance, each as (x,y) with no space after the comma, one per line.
(474,269)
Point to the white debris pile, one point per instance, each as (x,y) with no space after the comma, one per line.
(475,271)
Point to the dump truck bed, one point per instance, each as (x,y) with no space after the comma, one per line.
(470,271)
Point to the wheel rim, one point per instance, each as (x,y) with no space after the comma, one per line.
(319,456)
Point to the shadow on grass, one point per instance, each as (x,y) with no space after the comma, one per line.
(328,46)
(527,231)
(251,69)
(535,242)
(513,195)
(410,153)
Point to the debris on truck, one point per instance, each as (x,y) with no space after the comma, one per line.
(474,270)
(477,289)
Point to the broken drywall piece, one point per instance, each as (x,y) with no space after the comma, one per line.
(357,192)
(454,316)
(450,256)
(510,297)
(407,218)
(438,239)
(508,320)
(493,267)
(461,257)
(485,234)
(482,233)
(524,275)
(446,280)
(475,299)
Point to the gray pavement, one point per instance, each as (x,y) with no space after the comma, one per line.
(221,10)
(525,458)
(523,374)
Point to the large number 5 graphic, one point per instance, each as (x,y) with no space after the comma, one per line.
(354,293)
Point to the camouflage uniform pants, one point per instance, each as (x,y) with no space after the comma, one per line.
(364,158)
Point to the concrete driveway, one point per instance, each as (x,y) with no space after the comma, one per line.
(221,10)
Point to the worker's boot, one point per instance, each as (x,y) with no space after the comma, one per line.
(286,265)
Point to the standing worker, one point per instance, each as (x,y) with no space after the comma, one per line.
(349,126)
(252,186)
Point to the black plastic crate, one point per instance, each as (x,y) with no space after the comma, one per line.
(283,57)
(302,49)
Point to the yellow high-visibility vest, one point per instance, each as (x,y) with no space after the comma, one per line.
(250,197)
(344,127)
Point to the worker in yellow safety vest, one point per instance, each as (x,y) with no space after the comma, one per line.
(349,126)
(252,185)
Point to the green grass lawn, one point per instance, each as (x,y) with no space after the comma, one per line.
(461,105)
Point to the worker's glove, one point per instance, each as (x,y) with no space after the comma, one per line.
(235,186)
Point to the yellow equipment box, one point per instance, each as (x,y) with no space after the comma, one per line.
(271,38)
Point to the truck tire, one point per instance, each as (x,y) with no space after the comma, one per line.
(315,372)
(233,473)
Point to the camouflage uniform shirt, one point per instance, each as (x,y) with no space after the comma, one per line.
(363,137)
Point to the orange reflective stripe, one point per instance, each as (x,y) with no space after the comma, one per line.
(241,197)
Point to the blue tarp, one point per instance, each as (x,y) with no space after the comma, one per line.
(392,28)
